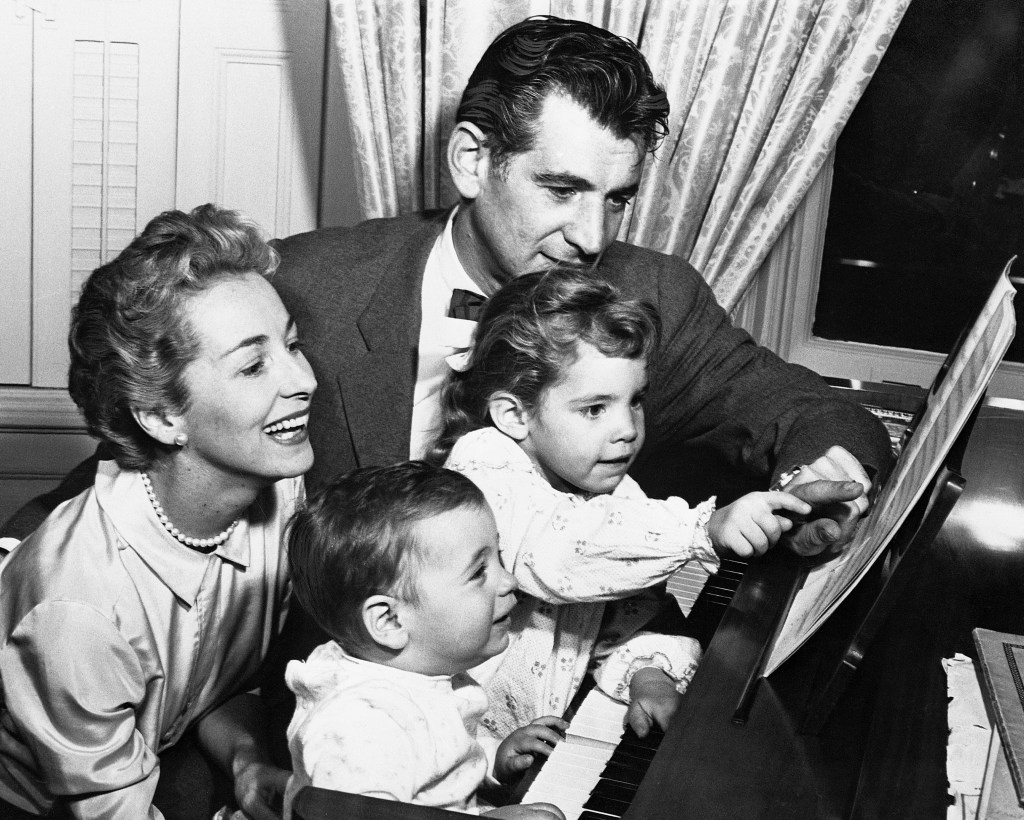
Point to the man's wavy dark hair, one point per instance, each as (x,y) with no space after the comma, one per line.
(604,73)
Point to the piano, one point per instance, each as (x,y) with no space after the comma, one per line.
(881,751)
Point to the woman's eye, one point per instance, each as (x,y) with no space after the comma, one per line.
(254,369)
(295,345)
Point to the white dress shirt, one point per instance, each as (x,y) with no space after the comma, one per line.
(440,336)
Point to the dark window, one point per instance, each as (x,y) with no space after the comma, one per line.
(927,199)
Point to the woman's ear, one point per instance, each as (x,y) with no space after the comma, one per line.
(165,427)
(383,621)
(468,159)
(509,415)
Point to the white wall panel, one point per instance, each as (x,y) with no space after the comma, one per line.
(250,100)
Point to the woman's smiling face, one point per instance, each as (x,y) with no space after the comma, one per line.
(250,386)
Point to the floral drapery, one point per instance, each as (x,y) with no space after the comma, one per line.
(759,89)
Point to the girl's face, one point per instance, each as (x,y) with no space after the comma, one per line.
(250,387)
(588,426)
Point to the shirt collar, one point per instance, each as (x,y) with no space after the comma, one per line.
(453,274)
(123,498)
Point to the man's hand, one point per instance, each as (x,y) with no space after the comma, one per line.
(652,699)
(517,752)
(836,486)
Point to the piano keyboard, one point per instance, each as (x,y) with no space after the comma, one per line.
(691,579)
(570,773)
(593,773)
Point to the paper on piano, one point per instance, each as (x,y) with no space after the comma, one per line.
(1001,663)
(949,405)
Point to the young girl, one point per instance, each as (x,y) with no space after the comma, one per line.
(547,418)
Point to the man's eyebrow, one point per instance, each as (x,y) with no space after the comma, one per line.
(563,180)
(256,341)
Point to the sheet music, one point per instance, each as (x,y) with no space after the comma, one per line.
(948,407)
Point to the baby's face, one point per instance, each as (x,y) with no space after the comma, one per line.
(588,427)
(465,597)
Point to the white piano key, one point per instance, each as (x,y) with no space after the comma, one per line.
(686,584)
(575,765)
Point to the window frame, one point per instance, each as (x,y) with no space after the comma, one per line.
(779,307)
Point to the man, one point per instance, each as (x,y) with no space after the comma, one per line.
(551,135)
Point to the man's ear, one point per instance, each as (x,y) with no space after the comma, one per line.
(165,427)
(383,621)
(468,159)
(509,415)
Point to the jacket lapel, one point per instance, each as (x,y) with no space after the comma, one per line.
(377,384)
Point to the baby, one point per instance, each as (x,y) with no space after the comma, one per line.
(399,565)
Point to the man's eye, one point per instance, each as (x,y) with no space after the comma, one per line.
(638,400)
(295,345)
(620,203)
(481,572)
(562,193)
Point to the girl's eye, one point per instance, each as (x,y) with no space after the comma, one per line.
(593,411)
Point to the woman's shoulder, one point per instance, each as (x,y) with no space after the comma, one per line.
(71,558)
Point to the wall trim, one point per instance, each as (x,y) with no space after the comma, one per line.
(33,408)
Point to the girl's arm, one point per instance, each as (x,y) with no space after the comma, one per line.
(565,549)
(647,670)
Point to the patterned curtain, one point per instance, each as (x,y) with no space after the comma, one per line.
(759,93)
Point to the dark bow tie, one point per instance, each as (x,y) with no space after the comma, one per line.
(465,305)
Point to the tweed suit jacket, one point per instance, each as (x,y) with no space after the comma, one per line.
(723,414)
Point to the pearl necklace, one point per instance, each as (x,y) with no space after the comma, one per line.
(200,544)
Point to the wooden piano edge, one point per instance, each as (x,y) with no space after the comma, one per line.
(312,803)
(730,663)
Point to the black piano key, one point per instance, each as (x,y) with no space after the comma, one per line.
(616,808)
(607,789)
(618,773)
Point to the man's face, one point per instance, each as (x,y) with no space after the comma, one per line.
(560,203)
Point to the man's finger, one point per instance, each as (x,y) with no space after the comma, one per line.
(815,537)
(820,492)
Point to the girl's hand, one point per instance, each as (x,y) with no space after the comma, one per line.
(750,525)
(653,699)
(518,751)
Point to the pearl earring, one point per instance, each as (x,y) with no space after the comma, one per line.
(180,440)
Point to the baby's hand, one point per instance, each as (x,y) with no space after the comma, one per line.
(653,699)
(517,752)
(749,526)
(529,811)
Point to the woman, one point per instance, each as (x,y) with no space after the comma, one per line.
(141,609)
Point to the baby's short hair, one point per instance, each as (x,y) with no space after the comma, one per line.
(353,538)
